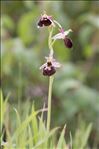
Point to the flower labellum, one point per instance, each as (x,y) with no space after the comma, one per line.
(48,71)
(49,68)
(45,21)
(63,35)
(68,42)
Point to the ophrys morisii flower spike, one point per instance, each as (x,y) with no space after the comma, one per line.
(49,68)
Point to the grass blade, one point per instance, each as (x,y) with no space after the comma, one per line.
(61,139)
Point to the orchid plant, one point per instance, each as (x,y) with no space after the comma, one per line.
(50,66)
(32,133)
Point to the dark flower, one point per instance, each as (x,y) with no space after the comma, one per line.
(63,35)
(45,21)
(68,42)
(49,68)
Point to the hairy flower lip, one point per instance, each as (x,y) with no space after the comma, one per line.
(68,42)
(49,68)
(49,72)
(45,20)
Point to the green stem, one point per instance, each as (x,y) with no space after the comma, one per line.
(53,42)
(50,81)
(49,102)
(50,42)
(58,24)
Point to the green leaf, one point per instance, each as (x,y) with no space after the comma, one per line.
(45,138)
(81,136)
(30,136)
(3,106)
(86,135)
(61,142)
(34,126)
(25,123)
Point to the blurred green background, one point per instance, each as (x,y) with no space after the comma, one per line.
(24,46)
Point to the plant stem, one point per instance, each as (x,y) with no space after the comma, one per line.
(50,42)
(49,102)
(58,24)
(50,81)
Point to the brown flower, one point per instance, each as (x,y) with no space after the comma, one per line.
(45,20)
(49,68)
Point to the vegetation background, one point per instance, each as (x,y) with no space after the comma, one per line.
(24,46)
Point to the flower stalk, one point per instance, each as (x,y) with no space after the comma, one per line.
(50,42)
(49,102)
(50,81)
